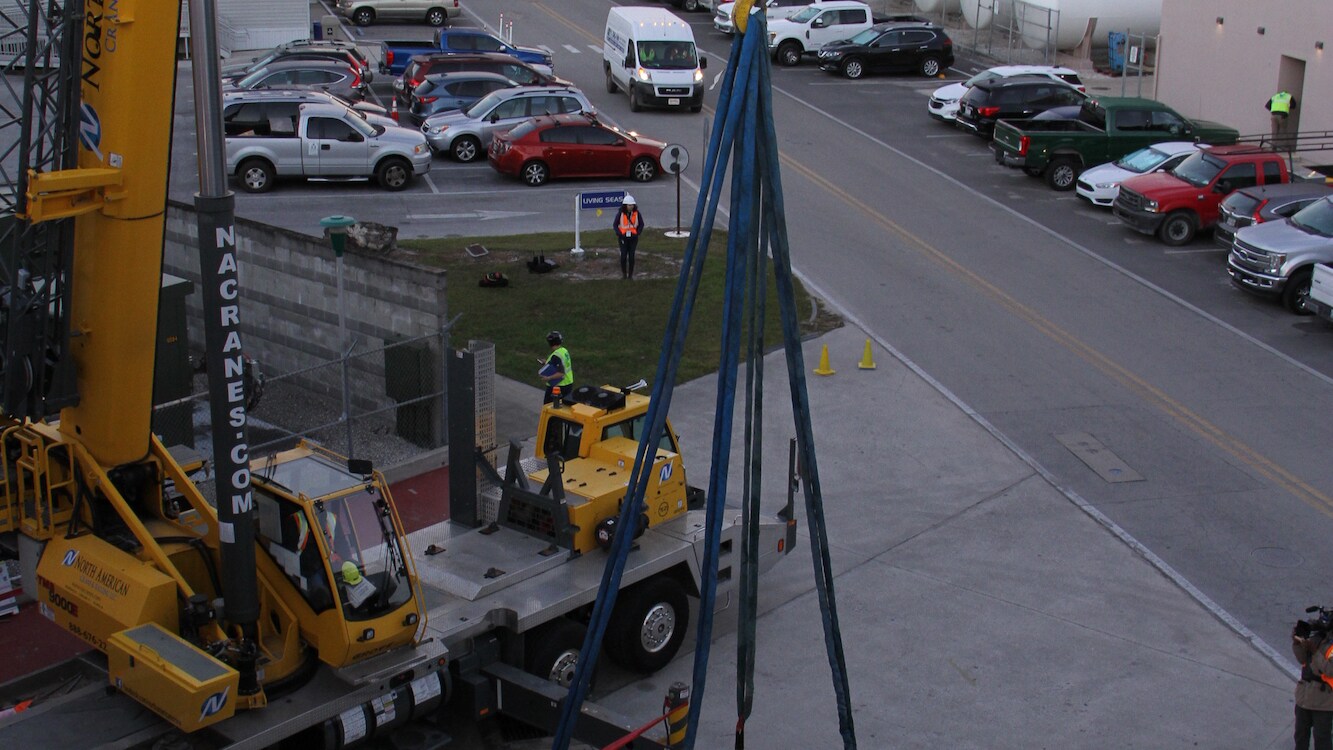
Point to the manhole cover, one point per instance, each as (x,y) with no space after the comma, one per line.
(1278,557)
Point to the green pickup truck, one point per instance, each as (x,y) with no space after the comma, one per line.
(1106,129)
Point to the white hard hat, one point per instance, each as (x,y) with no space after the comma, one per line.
(628,200)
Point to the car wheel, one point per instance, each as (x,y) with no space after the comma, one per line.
(789,53)
(610,81)
(393,174)
(853,69)
(1178,229)
(930,66)
(1297,291)
(535,173)
(465,148)
(256,176)
(643,169)
(648,625)
(553,651)
(634,105)
(436,16)
(1062,173)
(363,17)
(690,6)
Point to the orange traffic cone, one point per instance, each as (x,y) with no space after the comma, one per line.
(824,368)
(393,111)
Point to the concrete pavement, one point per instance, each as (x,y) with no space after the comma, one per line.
(981,606)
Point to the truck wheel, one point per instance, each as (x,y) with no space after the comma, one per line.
(690,6)
(363,17)
(393,174)
(853,68)
(256,176)
(535,174)
(644,169)
(1062,173)
(789,53)
(648,625)
(610,81)
(930,66)
(634,105)
(436,16)
(1178,229)
(465,148)
(553,651)
(1297,291)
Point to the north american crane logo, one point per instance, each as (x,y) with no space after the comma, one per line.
(214,703)
(90,130)
(70,557)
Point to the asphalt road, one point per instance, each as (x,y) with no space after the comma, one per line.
(1039,313)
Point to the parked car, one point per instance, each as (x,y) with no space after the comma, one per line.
(1177,204)
(366,12)
(443,92)
(336,78)
(1262,203)
(324,141)
(943,103)
(242,109)
(336,51)
(890,47)
(774,9)
(805,32)
(395,54)
(1019,97)
(1101,184)
(465,134)
(689,6)
(489,62)
(1277,258)
(547,148)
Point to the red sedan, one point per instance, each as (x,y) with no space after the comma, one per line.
(577,145)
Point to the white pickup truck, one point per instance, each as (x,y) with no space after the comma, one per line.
(1320,301)
(789,39)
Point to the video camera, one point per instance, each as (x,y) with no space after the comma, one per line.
(1315,626)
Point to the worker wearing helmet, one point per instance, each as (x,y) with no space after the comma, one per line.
(628,226)
(557,369)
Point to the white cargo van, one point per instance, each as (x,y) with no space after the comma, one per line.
(650,53)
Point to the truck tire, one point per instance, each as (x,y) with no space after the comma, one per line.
(393,174)
(689,6)
(1062,173)
(535,173)
(553,651)
(465,148)
(648,625)
(1297,291)
(789,53)
(256,175)
(853,68)
(363,17)
(930,66)
(436,17)
(1178,228)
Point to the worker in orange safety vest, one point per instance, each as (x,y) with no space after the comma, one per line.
(1314,691)
(628,227)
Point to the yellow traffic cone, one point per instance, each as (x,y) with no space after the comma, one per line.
(823,368)
(867,361)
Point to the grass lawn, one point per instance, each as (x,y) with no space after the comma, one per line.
(613,327)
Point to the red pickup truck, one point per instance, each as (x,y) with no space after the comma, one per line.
(1175,205)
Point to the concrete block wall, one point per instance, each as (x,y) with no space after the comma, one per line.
(289,303)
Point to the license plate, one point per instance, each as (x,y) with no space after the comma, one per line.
(673,102)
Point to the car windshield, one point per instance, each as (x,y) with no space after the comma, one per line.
(865,37)
(1199,169)
(668,55)
(1241,203)
(483,105)
(250,80)
(1143,160)
(1316,217)
(807,14)
(982,77)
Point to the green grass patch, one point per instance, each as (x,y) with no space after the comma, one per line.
(613,327)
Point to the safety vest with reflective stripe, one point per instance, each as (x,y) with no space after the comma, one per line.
(629,223)
(303,532)
(1280,104)
(566,364)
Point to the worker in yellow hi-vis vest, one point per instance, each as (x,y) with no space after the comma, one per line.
(1279,107)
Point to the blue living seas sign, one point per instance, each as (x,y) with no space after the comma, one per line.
(601,199)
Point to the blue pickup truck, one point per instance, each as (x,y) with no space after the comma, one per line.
(395,54)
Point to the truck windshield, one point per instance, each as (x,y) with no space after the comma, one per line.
(668,55)
(805,15)
(1316,218)
(1143,160)
(1199,169)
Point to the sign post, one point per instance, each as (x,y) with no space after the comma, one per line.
(674,160)
(598,200)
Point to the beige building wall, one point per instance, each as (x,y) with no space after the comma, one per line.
(1214,63)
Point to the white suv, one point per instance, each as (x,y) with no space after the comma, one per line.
(943,105)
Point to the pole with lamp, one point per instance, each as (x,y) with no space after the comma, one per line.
(337,228)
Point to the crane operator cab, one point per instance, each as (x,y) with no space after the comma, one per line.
(339,542)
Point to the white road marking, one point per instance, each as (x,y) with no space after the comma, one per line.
(573,49)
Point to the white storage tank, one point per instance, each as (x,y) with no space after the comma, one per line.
(1135,16)
(935,6)
(979,14)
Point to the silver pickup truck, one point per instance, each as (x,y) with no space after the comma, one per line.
(323,141)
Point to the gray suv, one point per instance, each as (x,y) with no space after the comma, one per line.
(465,133)
(337,78)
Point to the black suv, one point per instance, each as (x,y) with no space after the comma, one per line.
(508,66)
(1016,98)
(890,47)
